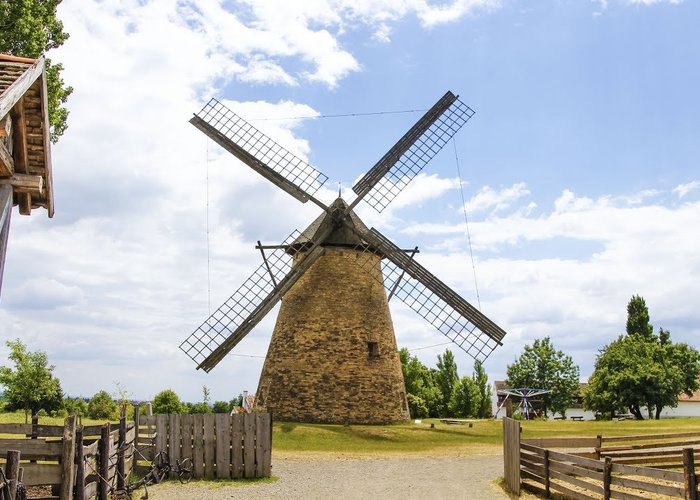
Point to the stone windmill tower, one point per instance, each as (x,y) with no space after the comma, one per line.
(333,355)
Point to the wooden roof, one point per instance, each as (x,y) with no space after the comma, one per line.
(25,150)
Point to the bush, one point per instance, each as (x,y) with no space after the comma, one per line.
(167,401)
(75,405)
(102,406)
(199,408)
(416,406)
(221,407)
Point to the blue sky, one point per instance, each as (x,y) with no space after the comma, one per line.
(580,172)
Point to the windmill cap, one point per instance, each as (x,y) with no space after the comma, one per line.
(344,234)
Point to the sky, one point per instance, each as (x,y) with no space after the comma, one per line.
(579,173)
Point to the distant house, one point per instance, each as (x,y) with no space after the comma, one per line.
(25,153)
(688,406)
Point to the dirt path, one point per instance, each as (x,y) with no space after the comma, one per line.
(466,477)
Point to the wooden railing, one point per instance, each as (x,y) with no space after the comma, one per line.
(585,468)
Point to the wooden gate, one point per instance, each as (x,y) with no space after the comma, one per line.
(511,454)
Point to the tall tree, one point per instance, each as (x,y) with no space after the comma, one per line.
(641,372)
(483,409)
(29,28)
(446,379)
(541,366)
(465,400)
(422,394)
(31,385)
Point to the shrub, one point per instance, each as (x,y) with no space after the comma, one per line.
(167,401)
(102,406)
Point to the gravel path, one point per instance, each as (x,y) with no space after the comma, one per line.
(469,477)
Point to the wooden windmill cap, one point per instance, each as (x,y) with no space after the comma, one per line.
(342,235)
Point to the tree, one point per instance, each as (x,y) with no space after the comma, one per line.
(221,407)
(102,406)
(30,386)
(541,366)
(75,405)
(465,398)
(446,379)
(167,401)
(421,392)
(29,28)
(640,371)
(483,408)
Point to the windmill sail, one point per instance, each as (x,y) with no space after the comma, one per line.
(412,152)
(437,303)
(259,152)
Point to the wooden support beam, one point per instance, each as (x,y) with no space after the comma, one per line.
(68,459)
(5,213)
(19,87)
(7,163)
(19,150)
(23,183)
(6,125)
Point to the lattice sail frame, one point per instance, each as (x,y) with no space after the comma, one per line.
(412,152)
(258,151)
(241,304)
(434,301)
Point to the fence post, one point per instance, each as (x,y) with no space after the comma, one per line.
(80,465)
(607,478)
(68,459)
(137,422)
(598,446)
(103,464)
(547,493)
(691,487)
(12,472)
(511,454)
(121,445)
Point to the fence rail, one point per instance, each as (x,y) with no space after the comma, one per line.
(585,468)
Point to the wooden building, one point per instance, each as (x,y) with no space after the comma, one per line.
(25,152)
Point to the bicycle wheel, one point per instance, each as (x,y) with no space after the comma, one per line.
(184,470)
(160,467)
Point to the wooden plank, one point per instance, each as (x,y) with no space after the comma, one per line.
(41,474)
(104,461)
(223,445)
(263,445)
(80,472)
(23,183)
(531,457)
(649,437)
(622,495)
(562,442)
(91,449)
(237,432)
(174,440)
(248,445)
(526,474)
(532,448)
(68,459)
(6,200)
(648,446)
(148,420)
(15,428)
(209,446)
(49,431)
(661,489)
(571,493)
(161,433)
(7,163)
(653,472)
(576,470)
(532,467)
(6,125)
(511,454)
(92,430)
(19,87)
(198,446)
(186,436)
(587,462)
(560,476)
(32,449)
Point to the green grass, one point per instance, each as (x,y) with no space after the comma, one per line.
(18,418)
(443,438)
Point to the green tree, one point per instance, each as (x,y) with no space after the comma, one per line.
(446,379)
(465,398)
(31,385)
(29,28)
(167,401)
(102,406)
(483,409)
(75,405)
(421,392)
(221,407)
(541,366)
(640,371)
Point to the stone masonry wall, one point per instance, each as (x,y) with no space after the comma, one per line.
(318,366)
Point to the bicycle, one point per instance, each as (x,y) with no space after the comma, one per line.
(159,469)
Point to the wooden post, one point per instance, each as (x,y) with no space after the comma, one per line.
(691,487)
(103,464)
(68,459)
(149,409)
(121,450)
(12,472)
(511,454)
(598,446)
(607,478)
(80,465)
(547,493)
(137,422)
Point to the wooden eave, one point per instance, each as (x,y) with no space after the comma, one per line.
(25,149)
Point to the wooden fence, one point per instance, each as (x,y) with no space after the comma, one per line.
(589,468)
(220,446)
(69,458)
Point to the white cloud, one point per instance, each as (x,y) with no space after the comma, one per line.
(683,189)
(489,199)
(651,2)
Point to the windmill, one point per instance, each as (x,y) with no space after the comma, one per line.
(333,355)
